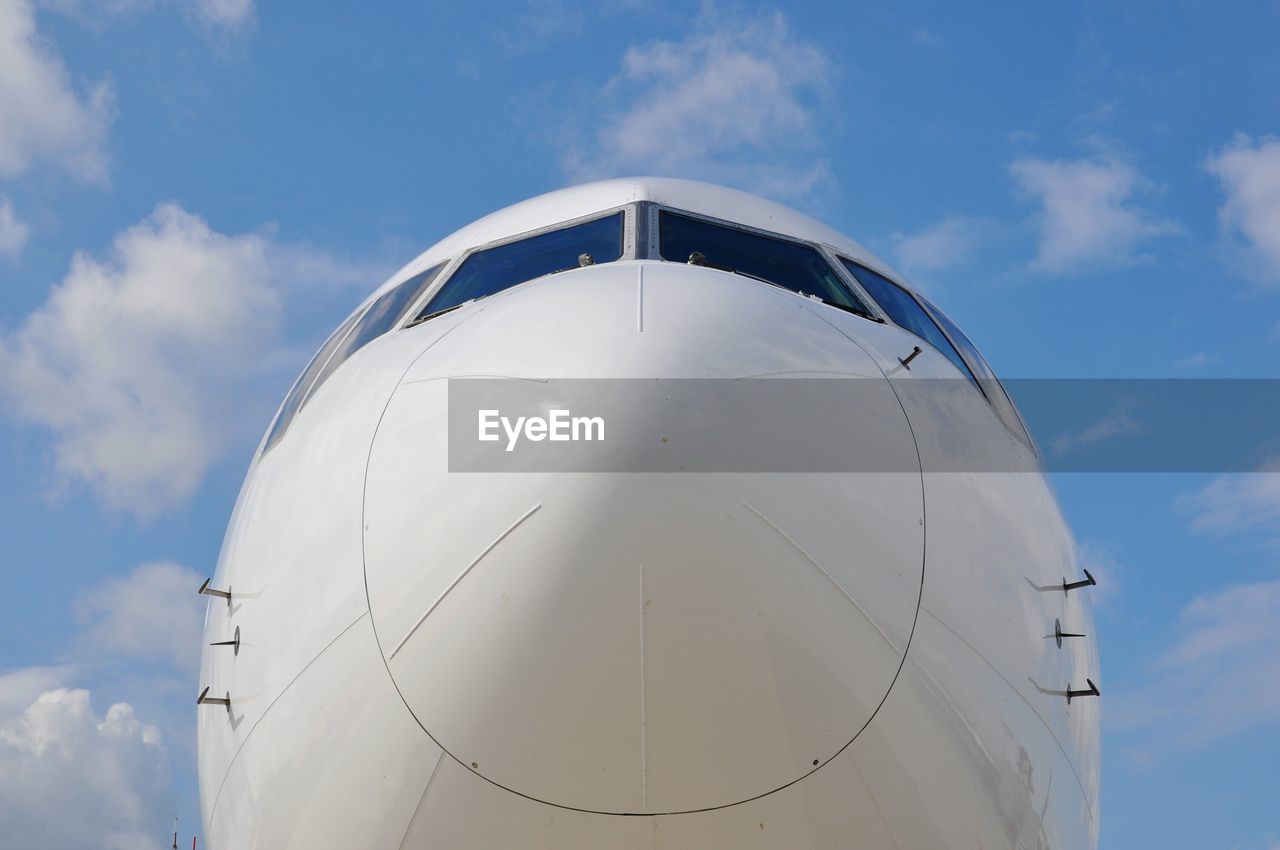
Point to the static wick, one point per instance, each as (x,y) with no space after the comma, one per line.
(234,642)
(1059,634)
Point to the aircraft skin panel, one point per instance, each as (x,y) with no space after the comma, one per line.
(327,781)
(294,570)
(737,583)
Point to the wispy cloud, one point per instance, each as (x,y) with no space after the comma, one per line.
(1220,677)
(228,16)
(1249,172)
(926,37)
(1247,503)
(1088,214)
(1226,622)
(225,14)
(945,245)
(150,614)
(1195,361)
(142,366)
(736,100)
(44,117)
(1115,424)
(538,25)
(13,231)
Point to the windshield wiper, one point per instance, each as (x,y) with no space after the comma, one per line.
(703,262)
(850,309)
(422,319)
(698,259)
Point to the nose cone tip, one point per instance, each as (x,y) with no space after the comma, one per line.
(636,643)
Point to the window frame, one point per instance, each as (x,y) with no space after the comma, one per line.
(628,211)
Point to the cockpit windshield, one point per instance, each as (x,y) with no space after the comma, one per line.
(503,266)
(790,265)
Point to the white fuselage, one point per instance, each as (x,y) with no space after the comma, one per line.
(591,660)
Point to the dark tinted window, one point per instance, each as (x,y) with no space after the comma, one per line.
(502,267)
(382,315)
(906,312)
(790,265)
(358,330)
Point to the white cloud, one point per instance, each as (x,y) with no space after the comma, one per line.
(1234,504)
(151,613)
(946,244)
(44,116)
(70,779)
(130,362)
(13,230)
(1088,217)
(143,366)
(1220,677)
(1250,175)
(736,100)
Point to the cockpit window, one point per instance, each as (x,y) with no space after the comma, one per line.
(357,331)
(987,379)
(502,267)
(906,312)
(383,315)
(293,401)
(790,265)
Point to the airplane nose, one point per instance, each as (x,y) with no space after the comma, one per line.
(639,643)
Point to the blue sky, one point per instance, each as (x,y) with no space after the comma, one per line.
(194,192)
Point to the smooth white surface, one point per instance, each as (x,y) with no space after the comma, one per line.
(773,615)
(531,665)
